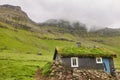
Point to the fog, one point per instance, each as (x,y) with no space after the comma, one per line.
(98,13)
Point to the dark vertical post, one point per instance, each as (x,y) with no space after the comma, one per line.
(78,44)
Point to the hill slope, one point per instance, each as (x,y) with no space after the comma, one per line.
(22,53)
(26,46)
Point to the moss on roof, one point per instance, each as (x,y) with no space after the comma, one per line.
(84,52)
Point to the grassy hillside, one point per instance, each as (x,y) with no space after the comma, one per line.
(26,46)
(19,53)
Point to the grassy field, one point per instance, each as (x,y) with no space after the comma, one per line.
(20,66)
(19,52)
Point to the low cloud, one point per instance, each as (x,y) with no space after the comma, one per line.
(91,12)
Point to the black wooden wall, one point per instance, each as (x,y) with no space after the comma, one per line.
(84,63)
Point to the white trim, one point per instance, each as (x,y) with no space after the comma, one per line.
(99,59)
(76,62)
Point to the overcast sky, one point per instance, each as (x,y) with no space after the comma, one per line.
(91,12)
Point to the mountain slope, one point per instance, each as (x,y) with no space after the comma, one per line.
(22,53)
(14,16)
(26,46)
(108,32)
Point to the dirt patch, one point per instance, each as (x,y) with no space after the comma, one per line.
(38,75)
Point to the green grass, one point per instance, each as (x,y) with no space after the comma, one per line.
(20,66)
(46,69)
(16,70)
(85,52)
(19,59)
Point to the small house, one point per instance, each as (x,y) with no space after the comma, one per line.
(86,58)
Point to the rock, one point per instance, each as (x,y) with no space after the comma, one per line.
(52,74)
(61,72)
(39,53)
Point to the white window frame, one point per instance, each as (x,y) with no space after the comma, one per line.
(99,61)
(72,62)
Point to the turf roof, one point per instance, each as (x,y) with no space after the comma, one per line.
(84,52)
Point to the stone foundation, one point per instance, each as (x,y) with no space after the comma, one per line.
(61,72)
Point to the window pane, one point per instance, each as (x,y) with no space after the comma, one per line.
(99,60)
(74,62)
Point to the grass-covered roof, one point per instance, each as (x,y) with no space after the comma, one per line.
(84,52)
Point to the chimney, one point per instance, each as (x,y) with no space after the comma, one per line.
(78,44)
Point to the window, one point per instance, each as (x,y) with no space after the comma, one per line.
(74,61)
(99,60)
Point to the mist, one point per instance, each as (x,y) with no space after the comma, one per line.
(97,13)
